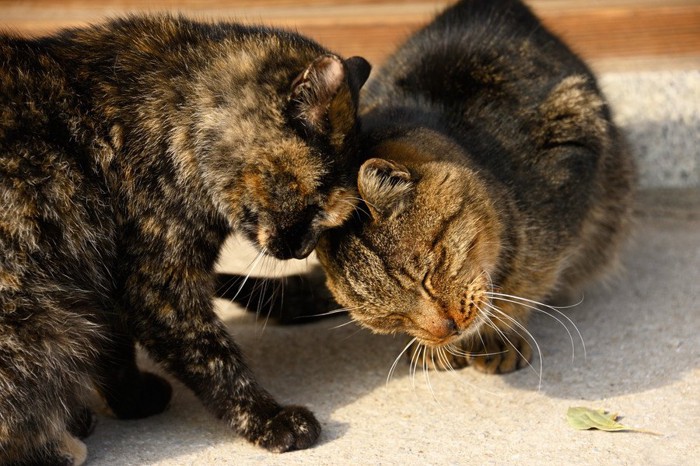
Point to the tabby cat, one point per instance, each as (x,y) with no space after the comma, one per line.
(494,178)
(128,152)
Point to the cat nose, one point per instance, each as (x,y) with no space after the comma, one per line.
(451,327)
(444,328)
(304,250)
(306,245)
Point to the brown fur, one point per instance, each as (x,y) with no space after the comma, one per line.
(495,178)
(128,152)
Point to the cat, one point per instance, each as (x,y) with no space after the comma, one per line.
(494,180)
(129,151)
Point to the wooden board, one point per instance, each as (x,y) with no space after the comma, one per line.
(647,33)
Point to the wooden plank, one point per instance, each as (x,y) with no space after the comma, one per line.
(599,30)
(628,32)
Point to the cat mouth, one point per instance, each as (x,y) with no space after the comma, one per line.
(438,325)
(449,332)
(296,242)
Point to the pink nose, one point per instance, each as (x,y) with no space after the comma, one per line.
(443,327)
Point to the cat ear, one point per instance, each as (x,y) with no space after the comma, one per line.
(385,186)
(358,70)
(327,92)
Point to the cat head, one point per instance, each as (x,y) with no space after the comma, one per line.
(420,260)
(295,135)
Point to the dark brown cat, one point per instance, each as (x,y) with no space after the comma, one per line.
(128,153)
(495,179)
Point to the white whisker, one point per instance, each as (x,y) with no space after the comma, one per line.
(453,372)
(396,361)
(329,313)
(453,350)
(356,207)
(534,306)
(251,267)
(414,365)
(342,325)
(442,357)
(527,332)
(359,329)
(426,371)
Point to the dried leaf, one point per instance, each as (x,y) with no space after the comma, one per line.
(585,418)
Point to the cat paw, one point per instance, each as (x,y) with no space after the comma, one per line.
(68,451)
(149,397)
(82,423)
(498,355)
(72,451)
(293,428)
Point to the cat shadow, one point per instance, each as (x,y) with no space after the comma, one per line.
(315,365)
(640,330)
(640,333)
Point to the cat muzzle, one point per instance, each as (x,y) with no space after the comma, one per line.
(296,250)
(306,247)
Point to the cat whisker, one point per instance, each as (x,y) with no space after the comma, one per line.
(413,366)
(442,356)
(225,288)
(323,314)
(527,332)
(396,361)
(363,201)
(262,284)
(489,279)
(270,302)
(426,371)
(357,207)
(359,329)
(342,325)
(251,268)
(453,350)
(513,299)
(537,303)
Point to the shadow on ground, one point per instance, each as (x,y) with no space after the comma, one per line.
(641,336)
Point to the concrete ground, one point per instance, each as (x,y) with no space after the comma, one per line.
(641,360)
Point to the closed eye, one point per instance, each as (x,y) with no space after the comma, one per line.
(427,286)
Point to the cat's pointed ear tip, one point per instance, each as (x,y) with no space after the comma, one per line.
(385,186)
(386,167)
(359,67)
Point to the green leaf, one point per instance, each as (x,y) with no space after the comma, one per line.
(585,418)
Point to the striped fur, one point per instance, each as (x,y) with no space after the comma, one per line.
(493,166)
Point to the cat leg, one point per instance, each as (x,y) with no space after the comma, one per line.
(67,451)
(290,300)
(46,355)
(82,422)
(173,318)
(129,392)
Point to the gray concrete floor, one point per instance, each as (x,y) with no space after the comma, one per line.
(641,333)
(642,339)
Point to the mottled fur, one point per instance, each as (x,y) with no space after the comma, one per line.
(494,176)
(128,152)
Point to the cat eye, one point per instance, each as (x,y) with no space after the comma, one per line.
(427,286)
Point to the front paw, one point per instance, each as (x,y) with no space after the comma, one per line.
(498,354)
(293,428)
(82,422)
